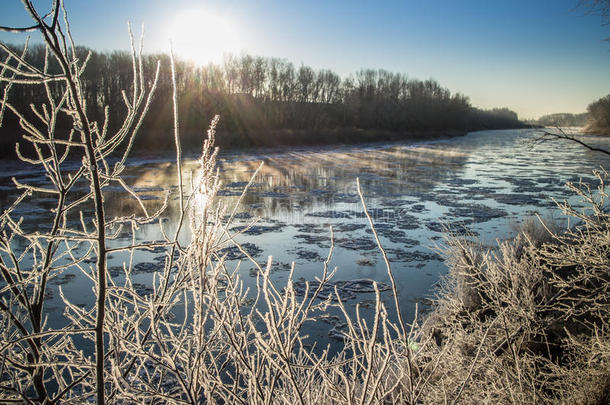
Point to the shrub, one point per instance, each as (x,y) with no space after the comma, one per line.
(527,321)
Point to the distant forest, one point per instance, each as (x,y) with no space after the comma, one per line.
(595,121)
(265,102)
(563,120)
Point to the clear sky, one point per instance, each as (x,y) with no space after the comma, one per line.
(533,56)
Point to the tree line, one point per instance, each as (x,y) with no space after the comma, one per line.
(264,101)
(596,120)
(562,120)
(599,116)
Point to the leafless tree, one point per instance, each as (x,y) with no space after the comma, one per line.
(37,354)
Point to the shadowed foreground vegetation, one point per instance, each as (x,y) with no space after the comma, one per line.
(524,322)
(262,101)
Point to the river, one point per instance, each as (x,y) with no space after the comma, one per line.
(483,183)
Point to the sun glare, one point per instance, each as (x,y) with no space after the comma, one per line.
(202,36)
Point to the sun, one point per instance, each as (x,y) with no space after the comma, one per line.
(203,36)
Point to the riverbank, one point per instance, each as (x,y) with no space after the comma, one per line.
(346,136)
(150,141)
(156,141)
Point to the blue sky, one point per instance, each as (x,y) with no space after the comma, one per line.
(533,56)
